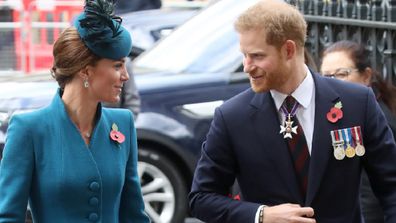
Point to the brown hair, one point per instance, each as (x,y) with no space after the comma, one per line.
(279,20)
(70,56)
(384,90)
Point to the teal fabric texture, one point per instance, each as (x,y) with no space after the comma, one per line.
(47,163)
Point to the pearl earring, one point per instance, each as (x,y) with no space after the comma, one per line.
(86,84)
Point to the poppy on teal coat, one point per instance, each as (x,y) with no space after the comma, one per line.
(47,163)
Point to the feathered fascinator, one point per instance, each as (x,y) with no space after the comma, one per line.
(102,31)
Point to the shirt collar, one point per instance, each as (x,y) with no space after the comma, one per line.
(303,93)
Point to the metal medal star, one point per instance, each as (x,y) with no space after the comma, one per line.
(287,128)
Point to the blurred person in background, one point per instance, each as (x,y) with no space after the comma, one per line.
(309,60)
(349,61)
(124,6)
(129,97)
(74,160)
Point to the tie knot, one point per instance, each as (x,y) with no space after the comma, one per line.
(289,103)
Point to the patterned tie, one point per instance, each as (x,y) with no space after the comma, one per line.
(297,145)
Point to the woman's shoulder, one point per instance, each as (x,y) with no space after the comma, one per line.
(31,117)
(121,112)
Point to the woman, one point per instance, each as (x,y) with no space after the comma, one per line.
(74,160)
(349,61)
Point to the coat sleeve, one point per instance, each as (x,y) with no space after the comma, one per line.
(213,178)
(132,205)
(16,170)
(380,158)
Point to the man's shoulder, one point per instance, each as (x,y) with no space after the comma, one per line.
(241,99)
(345,89)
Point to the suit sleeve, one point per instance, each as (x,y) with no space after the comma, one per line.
(380,158)
(132,206)
(16,170)
(214,176)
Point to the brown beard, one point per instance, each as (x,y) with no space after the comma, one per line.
(269,81)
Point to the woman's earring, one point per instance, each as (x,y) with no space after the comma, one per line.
(86,84)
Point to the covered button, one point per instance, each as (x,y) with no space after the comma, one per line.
(94,201)
(94,186)
(93,217)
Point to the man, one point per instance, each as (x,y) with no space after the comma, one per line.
(296,142)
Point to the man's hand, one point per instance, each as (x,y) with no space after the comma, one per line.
(287,213)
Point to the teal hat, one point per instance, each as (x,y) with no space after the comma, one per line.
(102,32)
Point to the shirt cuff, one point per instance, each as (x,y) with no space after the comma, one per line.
(256,218)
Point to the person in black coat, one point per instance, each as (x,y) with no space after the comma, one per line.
(124,6)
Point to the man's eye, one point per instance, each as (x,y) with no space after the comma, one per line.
(257,56)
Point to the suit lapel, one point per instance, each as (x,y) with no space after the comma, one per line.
(325,98)
(265,120)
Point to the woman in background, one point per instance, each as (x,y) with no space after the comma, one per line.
(349,61)
(74,160)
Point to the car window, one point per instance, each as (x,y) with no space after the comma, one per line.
(206,43)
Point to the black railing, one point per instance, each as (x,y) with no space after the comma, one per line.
(370,22)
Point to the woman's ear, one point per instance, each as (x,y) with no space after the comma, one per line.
(367,76)
(83,73)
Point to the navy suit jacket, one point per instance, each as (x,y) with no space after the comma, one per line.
(244,143)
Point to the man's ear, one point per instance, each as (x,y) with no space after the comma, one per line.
(291,48)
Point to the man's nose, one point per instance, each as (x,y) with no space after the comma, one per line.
(247,65)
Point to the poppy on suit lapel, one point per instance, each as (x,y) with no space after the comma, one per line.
(335,113)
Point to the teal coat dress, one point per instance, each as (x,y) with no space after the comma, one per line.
(47,163)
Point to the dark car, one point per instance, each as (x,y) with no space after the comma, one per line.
(149,26)
(181,81)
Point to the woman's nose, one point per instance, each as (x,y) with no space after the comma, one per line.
(124,75)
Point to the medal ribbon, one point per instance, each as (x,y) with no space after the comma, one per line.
(358,134)
(346,136)
(342,137)
(356,137)
(293,111)
(333,137)
(349,133)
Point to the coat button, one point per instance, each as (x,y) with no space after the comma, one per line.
(93,217)
(94,186)
(94,201)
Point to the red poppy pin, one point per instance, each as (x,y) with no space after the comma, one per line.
(335,113)
(116,135)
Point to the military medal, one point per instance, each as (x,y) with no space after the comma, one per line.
(338,145)
(339,152)
(287,127)
(360,150)
(349,151)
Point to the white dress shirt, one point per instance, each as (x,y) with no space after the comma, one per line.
(305,96)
